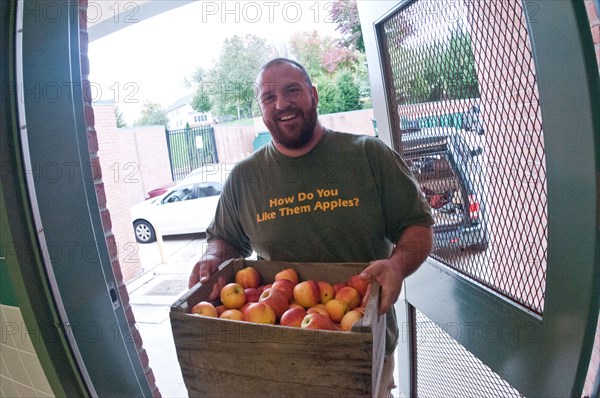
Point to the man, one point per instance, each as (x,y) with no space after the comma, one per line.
(315,195)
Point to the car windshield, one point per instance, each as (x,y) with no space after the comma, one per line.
(180,194)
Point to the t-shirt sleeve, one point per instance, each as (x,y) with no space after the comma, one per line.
(403,203)
(226,225)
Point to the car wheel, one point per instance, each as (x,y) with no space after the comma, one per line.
(144,232)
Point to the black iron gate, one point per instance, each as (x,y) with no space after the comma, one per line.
(190,148)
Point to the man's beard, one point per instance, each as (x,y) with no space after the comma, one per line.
(306,132)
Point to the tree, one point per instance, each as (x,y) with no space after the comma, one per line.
(345,14)
(119,118)
(229,84)
(201,101)
(152,114)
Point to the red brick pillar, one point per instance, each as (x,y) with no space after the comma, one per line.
(101,195)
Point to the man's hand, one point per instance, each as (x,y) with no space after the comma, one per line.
(412,249)
(217,252)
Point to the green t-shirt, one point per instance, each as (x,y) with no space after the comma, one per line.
(348,200)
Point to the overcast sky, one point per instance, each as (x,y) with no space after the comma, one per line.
(149,60)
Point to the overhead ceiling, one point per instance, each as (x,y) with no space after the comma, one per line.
(106,17)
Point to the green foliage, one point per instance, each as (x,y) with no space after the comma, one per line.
(201,102)
(152,114)
(119,118)
(444,69)
(338,93)
(228,87)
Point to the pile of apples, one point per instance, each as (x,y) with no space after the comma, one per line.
(289,302)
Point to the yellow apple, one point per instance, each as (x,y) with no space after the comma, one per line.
(350,295)
(350,319)
(288,273)
(232,314)
(336,309)
(248,277)
(233,296)
(205,308)
(327,292)
(307,293)
(259,313)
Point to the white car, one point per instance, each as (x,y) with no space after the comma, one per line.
(187,207)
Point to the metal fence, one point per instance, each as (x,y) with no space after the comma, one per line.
(191,148)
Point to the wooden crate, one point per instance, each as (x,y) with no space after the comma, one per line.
(221,357)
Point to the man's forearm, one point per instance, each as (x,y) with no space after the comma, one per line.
(412,249)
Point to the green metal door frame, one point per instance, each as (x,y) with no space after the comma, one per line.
(51,173)
(539,356)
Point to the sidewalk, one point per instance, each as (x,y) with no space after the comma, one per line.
(151,296)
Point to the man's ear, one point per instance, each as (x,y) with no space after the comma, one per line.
(315,94)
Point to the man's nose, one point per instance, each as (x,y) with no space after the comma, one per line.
(282,102)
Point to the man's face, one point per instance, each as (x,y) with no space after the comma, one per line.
(288,105)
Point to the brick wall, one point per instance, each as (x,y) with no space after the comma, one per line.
(101,192)
(118,174)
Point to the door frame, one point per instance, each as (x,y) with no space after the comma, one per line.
(569,88)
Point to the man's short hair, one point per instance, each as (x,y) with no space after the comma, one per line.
(281,60)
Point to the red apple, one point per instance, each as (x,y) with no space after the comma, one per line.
(233,296)
(205,308)
(286,286)
(288,273)
(293,317)
(360,284)
(307,293)
(252,294)
(259,313)
(276,300)
(220,309)
(327,292)
(320,308)
(350,319)
(317,321)
(338,286)
(248,277)
(349,295)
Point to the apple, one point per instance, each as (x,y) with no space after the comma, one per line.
(350,319)
(336,309)
(259,313)
(205,308)
(320,308)
(233,296)
(360,309)
(288,273)
(252,294)
(236,315)
(248,277)
(275,299)
(286,286)
(327,292)
(293,317)
(243,307)
(317,321)
(338,286)
(293,304)
(220,308)
(360,284)
(307,293)
(350,296)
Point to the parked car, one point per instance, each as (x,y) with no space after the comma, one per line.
(449,170)
(211,172)
(187,207)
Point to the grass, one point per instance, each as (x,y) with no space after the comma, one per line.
(241,122)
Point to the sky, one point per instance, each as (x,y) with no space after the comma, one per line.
(149,60)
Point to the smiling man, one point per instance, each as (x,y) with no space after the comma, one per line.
(316,195)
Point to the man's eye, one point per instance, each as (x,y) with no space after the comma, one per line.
(267,99)
(292,93)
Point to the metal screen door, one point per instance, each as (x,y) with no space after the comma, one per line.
(473,95)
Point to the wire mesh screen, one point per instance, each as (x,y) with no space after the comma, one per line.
(470,129)
(446,369)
